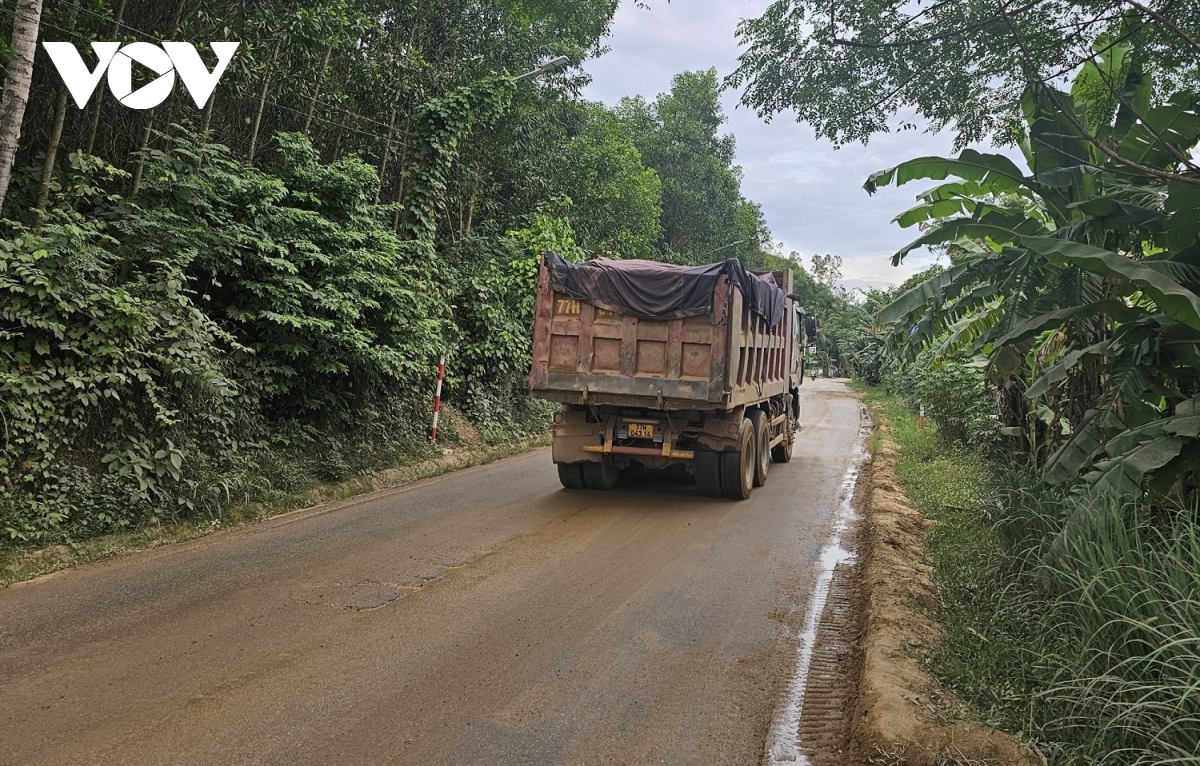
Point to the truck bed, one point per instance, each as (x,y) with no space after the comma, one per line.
(583,354)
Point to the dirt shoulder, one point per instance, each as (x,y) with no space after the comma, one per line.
(903,715)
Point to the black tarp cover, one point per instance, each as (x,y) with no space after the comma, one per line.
(650,290)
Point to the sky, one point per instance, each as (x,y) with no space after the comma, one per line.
(811,192)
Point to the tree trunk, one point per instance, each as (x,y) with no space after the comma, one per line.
(262,102)
(60,116)
(149,130)
(56,131)
(208,113)
(172,110)
(399,200)
(312,103)
(387,149)
(17,79)
(141,160)
(118,16)
(470,214)
(412,33)
(179,9)
(337,142)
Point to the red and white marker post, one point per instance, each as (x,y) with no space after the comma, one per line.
(437,398)
(922,419)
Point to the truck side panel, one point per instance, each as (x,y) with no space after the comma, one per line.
(759,364)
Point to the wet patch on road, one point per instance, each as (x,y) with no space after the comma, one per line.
(813,725)
(826,725)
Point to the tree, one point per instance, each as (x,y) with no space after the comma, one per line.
(18,78)
(701,188)
(850,66)
(1076,282)
(827,270)
(616,201)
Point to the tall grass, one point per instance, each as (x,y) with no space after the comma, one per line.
(1132,592)
(1076,625)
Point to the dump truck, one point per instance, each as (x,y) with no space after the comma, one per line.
(659,365)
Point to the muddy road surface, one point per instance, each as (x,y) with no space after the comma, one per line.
(485,617)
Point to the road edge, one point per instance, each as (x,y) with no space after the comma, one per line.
(900,716)
(39,564)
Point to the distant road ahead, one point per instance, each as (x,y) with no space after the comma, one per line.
(485,617)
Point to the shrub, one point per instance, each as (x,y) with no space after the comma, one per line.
(954,394)
(232,331)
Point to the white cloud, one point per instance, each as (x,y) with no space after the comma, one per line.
(811,192)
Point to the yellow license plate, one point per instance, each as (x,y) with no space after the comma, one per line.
(641,431)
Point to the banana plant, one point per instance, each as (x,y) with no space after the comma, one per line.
(1079,280)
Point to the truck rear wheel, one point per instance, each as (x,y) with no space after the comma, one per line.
(708,474)
(737,468)
(762,441)
(782,452)
(602,475)
(571,475)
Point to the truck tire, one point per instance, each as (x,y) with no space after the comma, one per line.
(708,474)
(737,468)
(762,450)
(782,452)
(571,475)
(602,475)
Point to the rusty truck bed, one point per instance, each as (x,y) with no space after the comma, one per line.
(586,355)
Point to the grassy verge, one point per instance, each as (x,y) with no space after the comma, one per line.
(1077,628)
(989,622)
(19,563)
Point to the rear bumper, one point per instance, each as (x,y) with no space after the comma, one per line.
(576,441)
(666,451)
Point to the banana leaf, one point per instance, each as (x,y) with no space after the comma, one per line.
(1165,133)
(1172,298)
(995,173)
(999,227)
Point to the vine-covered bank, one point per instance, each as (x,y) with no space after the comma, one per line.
(201,305)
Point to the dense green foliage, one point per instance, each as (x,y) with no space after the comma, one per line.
(848,67)
(954,394)
(619,199)
(205,304)
(1062,339)
(678,137)
(146,338)
(1079,285)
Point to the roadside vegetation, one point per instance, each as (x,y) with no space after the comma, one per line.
(201,307)
(1056,352)
(1078,631)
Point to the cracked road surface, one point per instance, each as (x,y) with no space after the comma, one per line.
(484,617)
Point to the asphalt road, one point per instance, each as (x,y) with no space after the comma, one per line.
(485,617)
